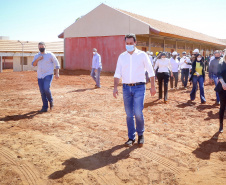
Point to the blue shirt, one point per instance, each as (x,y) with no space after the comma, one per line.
(46,65)
(96,62)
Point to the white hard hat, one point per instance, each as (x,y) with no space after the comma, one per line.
(174,53)
(151,53)
(196,51)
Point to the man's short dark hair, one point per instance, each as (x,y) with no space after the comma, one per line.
(131,35)
(41,43)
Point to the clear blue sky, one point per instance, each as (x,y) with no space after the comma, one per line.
(44,20)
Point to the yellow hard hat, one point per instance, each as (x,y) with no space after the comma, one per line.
(156,53)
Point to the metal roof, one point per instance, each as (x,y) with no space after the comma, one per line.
(30,46)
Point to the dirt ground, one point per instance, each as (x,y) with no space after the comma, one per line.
(81,140)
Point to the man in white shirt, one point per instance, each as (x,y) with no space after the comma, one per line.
(185,67)
(96,68)
(131,67)
(175,64)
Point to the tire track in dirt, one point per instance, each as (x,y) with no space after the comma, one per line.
(28,174)
(170,164)
(71,151)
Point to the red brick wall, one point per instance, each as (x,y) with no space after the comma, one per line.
(79,51)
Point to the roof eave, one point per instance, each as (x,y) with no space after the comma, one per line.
(192,39)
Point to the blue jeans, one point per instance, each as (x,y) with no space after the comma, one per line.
(199,79)
(134,103)
(184,76)
(96,76)
(215,79)
(44,87)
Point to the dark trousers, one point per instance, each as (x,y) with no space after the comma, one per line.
(175,76)
(184,76)
(163,77)
(222,96)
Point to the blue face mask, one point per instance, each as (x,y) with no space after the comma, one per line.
(130,48)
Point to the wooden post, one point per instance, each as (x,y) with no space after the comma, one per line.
(164,45)
(1,65)
(149,43)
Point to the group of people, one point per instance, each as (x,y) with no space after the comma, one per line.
(192,68)
(133,67)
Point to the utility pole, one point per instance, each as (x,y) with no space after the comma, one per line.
(22,65)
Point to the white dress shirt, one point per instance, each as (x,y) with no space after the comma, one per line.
(175,64)
(96,62)
(163,65)
(132,68)
(183,65)
(151,59)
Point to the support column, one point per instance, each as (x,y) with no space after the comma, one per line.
(164,45)
(149,43)
(1,64)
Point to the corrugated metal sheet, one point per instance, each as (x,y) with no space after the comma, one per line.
(78,51)
(175,30)
(15,46)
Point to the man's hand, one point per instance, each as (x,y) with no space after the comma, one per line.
(115,93)
(37,60)
(171,74)
(40,58)
(153,91)
(57,76)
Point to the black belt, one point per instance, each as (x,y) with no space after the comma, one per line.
(135,84)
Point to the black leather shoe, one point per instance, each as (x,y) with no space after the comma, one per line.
(51,105)
(140,140)
(129,143)
(43,110)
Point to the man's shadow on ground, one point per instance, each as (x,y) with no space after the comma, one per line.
(150,104)
(82,90)
(207,147)
(94,161)
(17,117)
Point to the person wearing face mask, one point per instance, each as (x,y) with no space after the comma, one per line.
(131,67)
(213,69)
(175,68)
(164,70)
(198,75)
(185,67)
(96,68)
(45,62)
(221,74)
